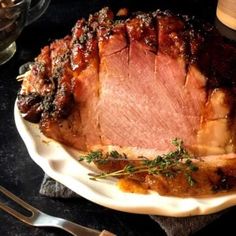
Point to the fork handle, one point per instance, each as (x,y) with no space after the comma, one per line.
(41,219)
(72,228)
(76,229)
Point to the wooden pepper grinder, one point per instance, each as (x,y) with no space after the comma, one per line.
(226,13)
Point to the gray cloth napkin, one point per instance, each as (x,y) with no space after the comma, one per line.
(173,226)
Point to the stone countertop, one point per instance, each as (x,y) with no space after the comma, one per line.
(21,175)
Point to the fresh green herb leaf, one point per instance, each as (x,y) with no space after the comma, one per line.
(167,165)
(129,169)
(114,154)
(94,156)
(191,181)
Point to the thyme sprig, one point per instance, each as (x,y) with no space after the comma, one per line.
(100,158)
(167,165)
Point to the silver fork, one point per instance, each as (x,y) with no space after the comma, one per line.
(40,219)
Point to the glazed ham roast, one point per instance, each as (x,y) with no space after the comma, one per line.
(133,84)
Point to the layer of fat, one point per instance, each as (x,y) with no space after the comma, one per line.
(215,134)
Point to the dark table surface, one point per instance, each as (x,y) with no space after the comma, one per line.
(21,175)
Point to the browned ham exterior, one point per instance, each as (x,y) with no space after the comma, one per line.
(133,85)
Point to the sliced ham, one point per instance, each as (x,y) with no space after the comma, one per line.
(133,85)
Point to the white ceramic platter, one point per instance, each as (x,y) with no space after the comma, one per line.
(60,163)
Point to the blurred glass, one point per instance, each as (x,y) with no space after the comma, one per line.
(226,13)
(14,15)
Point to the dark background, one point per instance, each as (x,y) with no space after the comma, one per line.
(21,175)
